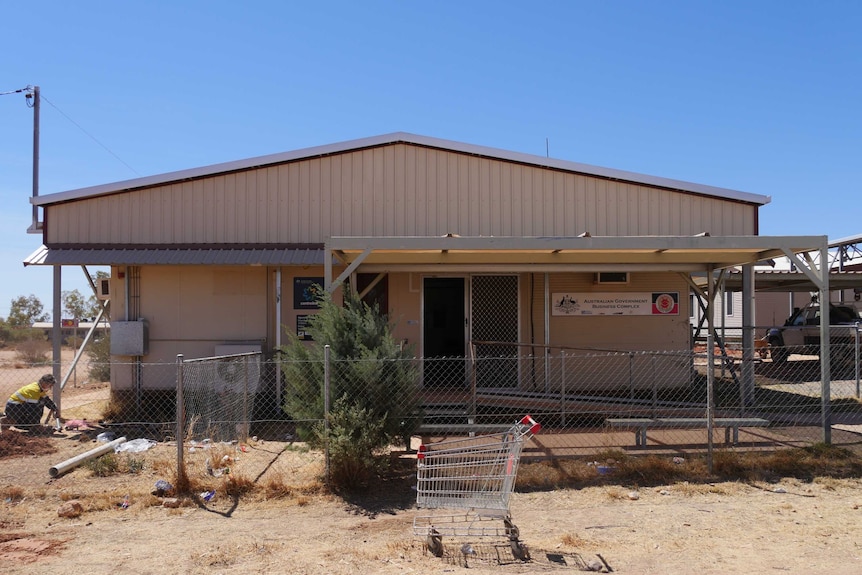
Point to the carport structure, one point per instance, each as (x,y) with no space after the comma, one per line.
(701,255)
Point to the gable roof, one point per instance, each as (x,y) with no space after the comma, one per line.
(397,138)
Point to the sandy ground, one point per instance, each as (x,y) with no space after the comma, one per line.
(788,527)
(290,525)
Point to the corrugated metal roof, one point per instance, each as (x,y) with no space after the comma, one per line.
(790,281)
(394,138)
(175,256)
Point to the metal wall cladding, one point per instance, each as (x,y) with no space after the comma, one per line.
(393,190)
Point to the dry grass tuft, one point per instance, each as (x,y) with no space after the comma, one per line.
(576,541)
(12,493)
(617,493)
(238,485)
(221,556)
(805,464)
(33,352)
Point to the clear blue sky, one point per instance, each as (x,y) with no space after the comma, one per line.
(763,97)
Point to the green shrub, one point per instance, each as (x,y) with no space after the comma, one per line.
(372,378)
(355,442)
(33,352)
(103,466)
(369,369)
(111,463)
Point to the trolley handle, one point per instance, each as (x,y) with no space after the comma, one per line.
(534,425)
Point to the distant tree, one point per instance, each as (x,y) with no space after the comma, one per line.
(75,305)
(24,310)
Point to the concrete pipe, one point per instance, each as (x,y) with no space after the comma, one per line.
(74,462)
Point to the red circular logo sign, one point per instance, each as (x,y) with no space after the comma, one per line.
(664,303)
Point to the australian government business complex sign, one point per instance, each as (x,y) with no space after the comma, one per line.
(616,303)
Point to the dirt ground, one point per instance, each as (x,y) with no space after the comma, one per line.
(290,526)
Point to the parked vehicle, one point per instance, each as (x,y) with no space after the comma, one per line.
(801,332)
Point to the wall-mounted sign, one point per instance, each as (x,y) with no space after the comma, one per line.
(616,303)
(302,328)
(306,292)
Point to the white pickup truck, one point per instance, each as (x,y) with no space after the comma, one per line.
(801,332)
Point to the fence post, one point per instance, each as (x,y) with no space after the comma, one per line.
(710,403)
(326,380)
(179,433)
(856,355)
(246,424)
(562,388)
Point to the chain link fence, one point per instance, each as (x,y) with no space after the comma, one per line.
(588,401)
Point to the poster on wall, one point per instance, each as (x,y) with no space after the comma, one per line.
(302,328)
(306,292)
(616,303)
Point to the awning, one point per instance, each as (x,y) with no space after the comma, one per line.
(45,256)
(553,254)
(788,281)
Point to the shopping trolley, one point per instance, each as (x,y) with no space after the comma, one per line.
(476,477)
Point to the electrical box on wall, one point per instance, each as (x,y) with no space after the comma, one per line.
(129,338)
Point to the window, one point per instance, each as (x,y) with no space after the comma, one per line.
(691,304)
(728,302)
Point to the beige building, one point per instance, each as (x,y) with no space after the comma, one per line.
(461,244)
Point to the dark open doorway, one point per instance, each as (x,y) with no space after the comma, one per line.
(444,329)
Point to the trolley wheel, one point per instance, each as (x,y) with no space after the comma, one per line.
(512,531)
(519,550)
(434,543)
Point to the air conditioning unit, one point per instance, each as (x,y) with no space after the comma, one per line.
(103,288)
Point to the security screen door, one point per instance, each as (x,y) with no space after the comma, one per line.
(449,324)
(494,313)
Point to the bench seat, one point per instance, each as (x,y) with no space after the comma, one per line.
(640,425)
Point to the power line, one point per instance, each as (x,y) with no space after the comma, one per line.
(89,135)
(18,91)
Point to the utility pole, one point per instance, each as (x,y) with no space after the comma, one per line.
(33,92)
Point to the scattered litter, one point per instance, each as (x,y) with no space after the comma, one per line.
(217,471)
(779,490)
(634,495)
(208,495)
(664,492)
(604,469)
(135,446)
(77,424)
(125,503)
(162,487)
(679,460)
(106,437)
(195,445)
